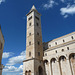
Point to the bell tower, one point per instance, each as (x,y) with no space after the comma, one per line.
(34,36)
(34,48)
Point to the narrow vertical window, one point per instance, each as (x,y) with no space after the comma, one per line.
(38,53)
(56,43)
(67,48)
(29,34)
(49,46)
(29,24)
(38,43)
(45,54)
(56,51)
(37,33)
(29,54)
(30,18)
(72,37)
(63,40)
(36,17)
(37,24)
(29,43)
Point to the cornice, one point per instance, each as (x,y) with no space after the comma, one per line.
(61,45)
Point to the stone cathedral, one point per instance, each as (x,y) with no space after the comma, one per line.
(56,57)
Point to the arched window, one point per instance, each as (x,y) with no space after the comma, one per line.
(40,70)
(72,62)
(63,58)
(72,56)
(53,60)
(46,61)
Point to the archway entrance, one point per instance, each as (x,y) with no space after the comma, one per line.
(40,70)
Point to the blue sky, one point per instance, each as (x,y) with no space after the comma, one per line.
(58,19)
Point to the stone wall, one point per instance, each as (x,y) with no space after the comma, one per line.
(1,50)
(60,60)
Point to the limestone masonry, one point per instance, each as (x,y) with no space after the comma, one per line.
(56,57)
(1,50)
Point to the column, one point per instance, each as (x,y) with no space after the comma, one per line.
(50,68)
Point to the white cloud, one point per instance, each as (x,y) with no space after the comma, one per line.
(17,59)
(65,16)
(50,4)
(13,69)
(62,1)
(69,10)
(7,54)
(2,1)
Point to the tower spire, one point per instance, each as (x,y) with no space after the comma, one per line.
(33,8)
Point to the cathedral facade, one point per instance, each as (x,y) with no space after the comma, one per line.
(56,57)
(1,50)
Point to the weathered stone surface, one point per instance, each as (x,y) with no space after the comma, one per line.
(56,57)
(1,50)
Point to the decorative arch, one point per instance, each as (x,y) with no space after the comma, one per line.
(72,62)
(54,67)
(62,58)
(26,72)
(46,61)
(53,60)
(29,72)
(46,64)
(72,55)
(64,65)
(40,70)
